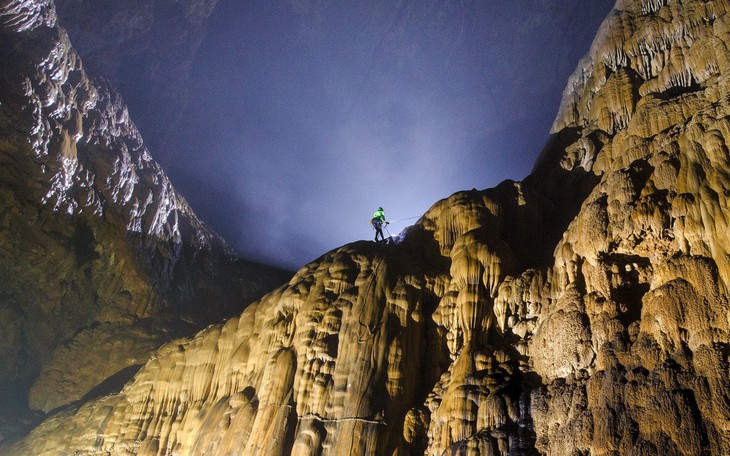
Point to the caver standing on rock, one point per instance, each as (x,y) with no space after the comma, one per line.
(378,221)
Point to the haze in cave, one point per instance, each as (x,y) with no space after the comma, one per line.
(578,306)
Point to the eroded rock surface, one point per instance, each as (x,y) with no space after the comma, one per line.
(155,39)
(98,252)
(582,311)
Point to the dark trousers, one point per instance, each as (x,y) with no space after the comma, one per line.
(379,231)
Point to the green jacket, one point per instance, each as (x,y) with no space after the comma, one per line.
(379,215)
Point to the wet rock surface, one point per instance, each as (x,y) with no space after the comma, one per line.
(581,311)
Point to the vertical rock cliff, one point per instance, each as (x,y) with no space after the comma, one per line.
(101,261)
(141,43)
(581,311)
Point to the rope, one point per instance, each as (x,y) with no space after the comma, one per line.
(407,218)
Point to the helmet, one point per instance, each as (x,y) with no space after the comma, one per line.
(380,208)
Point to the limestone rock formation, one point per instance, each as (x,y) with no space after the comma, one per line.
(141,43)
(101,261)
(581,311)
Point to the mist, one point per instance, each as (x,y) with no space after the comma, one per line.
(307,115)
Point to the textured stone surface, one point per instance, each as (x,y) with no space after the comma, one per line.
(582,311)
(137,44)
(97,250)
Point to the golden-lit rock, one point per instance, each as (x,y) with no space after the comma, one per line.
(582,311)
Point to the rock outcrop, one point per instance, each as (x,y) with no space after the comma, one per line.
(101,261)
(141,43)
(581,311)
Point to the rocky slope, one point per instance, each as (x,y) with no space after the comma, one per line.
(141,43)
(581,311)
(101,260)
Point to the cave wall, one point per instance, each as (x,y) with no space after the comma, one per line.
(101,261)
(141,43)
(581,311)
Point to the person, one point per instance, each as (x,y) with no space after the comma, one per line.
(378,221)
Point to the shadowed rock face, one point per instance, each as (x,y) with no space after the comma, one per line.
(582,311)
(155,39)
(101,261)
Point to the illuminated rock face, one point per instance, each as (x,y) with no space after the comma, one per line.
(582,311)
(101,261)
(156,38)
